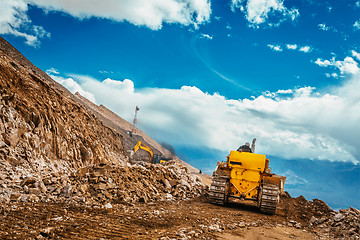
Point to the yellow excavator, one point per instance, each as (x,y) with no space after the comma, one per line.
(246,176)
(153,158)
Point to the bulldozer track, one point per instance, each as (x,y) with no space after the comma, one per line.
(218,189)
(269,198)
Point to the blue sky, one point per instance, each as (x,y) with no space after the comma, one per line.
(211,75)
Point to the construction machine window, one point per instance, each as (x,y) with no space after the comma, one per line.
(235,163)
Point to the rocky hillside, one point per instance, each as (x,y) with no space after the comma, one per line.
(42,124)
(55,145)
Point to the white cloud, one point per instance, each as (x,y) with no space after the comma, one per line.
(357,25)
(74,87)
(149,13)
(323,63)
(126,85)
(291,46)
(276,48)
(206,36)
(279,48)
(288,91)
(52,71)
(334,75)
(323,27)
(355,54)
(13,20)
(347,66)
(305,49)
(259,11)
(357,4)
(294,123)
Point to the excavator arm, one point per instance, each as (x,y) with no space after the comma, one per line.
(146,148)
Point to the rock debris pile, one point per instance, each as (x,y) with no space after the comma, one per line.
(319,217)
(344,224)
(103,185)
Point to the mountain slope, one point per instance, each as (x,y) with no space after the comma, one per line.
(41,121)
(58,146)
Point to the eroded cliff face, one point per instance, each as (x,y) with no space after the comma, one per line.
(42,128)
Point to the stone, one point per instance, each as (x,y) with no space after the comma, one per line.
(57,219)
(185,183)
(100,186)
(82,171)
(107,194)
(12,138)
(34,191)
(98,172)
(108,206)
(47,231)
(42,187)
(144,199)
(14,197)
(173,182)
(28,181)
(47,181)
(14,160)
(242,224)
(313,220)
(169,197)
(166,183)
(32,198)
(2,144)
(2,177)
(66,191)
(83,188)
(338,217)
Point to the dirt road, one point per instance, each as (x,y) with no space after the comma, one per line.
(168,220)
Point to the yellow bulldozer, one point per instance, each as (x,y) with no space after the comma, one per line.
(246,176)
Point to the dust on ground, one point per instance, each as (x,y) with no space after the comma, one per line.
(196,219)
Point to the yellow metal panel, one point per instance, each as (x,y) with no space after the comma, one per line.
(246,160)
(245,181)
(245,172)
